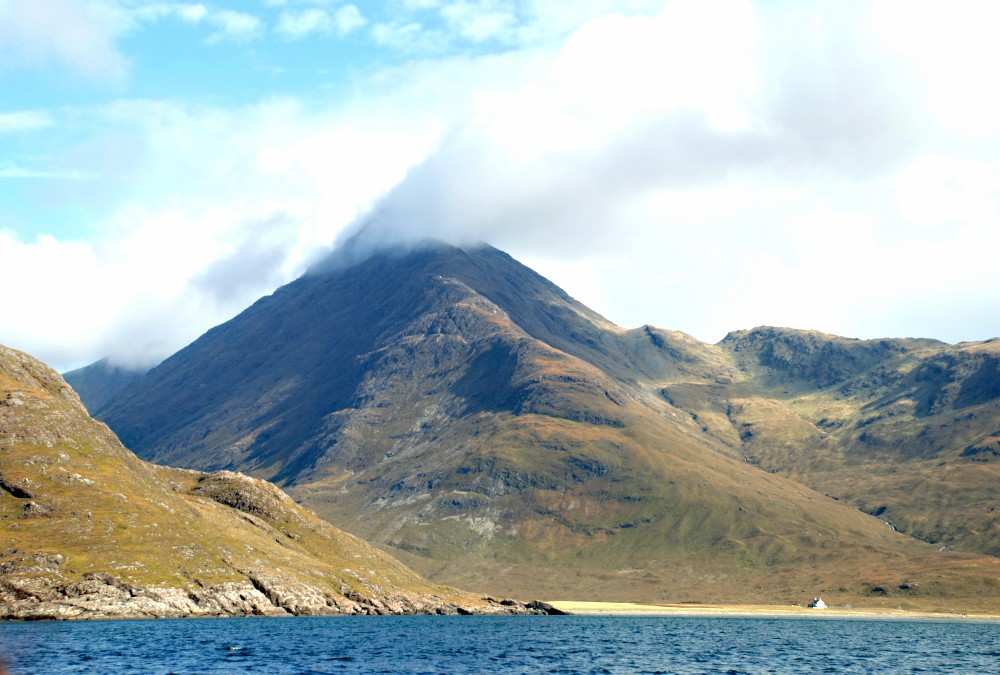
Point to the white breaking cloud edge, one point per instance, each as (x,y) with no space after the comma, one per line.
(300,23)
(24,120)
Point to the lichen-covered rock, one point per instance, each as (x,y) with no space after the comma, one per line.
(243,493)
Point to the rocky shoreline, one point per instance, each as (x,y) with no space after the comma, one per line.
(102,596)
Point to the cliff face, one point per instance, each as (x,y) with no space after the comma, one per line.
(455,407)
(90,531)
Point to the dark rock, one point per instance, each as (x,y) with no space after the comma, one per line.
(545,608)
(16,490)
(36,510)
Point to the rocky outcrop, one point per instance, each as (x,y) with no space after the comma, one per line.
(102,596)
(810,359)
(243,493)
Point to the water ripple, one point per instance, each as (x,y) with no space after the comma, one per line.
(681,645)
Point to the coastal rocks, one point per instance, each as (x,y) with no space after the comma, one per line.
(509,606)
(295,598)
(34,587)
(101,596)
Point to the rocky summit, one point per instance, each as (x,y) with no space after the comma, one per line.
(907,430)
(87,530)
(461,411)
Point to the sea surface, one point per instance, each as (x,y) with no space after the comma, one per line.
(477,644)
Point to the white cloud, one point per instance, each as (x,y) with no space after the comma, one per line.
(233,25)
(14,171)
(298,24)
(229,204)
(545,20)
(189,12)
(71,33)
(437,27)
(228,25)
(955,48)
(480,21)
(192,13)
(348,18)
(24,120)
(287,3)
(81,36)
(744,165)
(301,23)
(419,5)
(409,35)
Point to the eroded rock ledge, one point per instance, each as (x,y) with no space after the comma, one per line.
(38,593)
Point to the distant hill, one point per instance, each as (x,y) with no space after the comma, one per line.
(102,381)
(907,430)
(457,408)
(87,530)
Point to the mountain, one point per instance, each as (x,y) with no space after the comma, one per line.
(907,430)
(90,531)
(103,381)
(460,410)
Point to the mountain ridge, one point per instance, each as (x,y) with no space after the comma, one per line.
(474,419)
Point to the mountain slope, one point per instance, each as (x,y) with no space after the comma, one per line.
(90,531)
(905,429)
(103,382)
(458,408)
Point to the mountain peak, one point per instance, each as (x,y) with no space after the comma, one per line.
(359,248)
(462,410)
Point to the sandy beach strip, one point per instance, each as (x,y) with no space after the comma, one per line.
(578,607)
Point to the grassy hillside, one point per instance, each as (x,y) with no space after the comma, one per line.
(87,529)
(903,429)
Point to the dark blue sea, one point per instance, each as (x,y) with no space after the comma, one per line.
(471,644)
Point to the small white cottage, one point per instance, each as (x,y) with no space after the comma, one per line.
(817,603)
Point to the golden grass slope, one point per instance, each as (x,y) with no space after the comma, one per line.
(77,508)
(908,430)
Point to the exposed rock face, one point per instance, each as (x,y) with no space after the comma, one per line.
(99,595)
(34,588)
(455,407)
(88,531)
(243,493)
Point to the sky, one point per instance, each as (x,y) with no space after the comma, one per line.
(699,165)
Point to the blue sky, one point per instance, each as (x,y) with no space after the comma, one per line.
(703,166)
